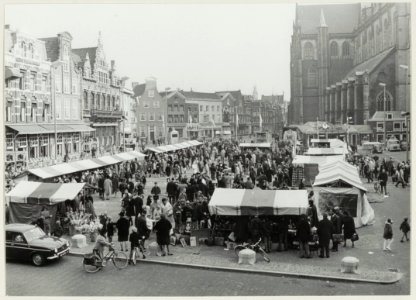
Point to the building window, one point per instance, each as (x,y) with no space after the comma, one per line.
(58,83)
(207,108)
(151,93)
(200,108)
(397,126)
(312,79)
(142,117)
(161,118)
(308,51)
(334,48)
(33,112)
(114,102)
(32,81)
(108,102)
(92,105)
(45,112)
(380,101)
(151,116)
(380,126)
(145,104)
(98,101)
(169,119)
(404,126)
(218,108)
(8,113)
(169,107)
(345,48)
(389,116)
(85,100)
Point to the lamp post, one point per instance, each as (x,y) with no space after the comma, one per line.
(384,108)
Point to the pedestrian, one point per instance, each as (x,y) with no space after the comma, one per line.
(107,188)
(162,229)
(46,217)
(110,229)
(405,228)
(155,191)
(134,244)
(382,177)
(324,231)
(142,230)
(123,225)
(312,212)
(388,235)
(348,228)
(336,230)
(303,233)
(167,210)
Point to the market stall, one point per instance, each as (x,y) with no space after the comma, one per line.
(255,145)
(83,165)
(307,167)
(339,184)
(28,198)
(174,147)
(241,202)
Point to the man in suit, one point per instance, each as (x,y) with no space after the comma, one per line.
(324,233)
(336,227)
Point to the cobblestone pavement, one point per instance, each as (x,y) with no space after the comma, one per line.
(66,278)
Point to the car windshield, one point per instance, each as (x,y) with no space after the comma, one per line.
(33,234)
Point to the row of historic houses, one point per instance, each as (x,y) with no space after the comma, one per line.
(60,103)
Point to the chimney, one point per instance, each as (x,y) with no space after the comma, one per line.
(151,83)
(113,65)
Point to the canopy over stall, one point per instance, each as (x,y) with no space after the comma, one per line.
(28,198)
(240,202)
(339,184)
(174,147)
(255,145)
(86,164)
(43,193)
(307,167)
(327,151)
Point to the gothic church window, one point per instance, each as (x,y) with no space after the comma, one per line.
(308,51)
(345,49)
(380,101)
(312,78)
(334,48)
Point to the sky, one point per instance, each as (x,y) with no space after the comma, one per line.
(203,47)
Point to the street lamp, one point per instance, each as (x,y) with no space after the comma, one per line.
(406,115)
(384,105)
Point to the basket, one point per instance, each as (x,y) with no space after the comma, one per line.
(89,259)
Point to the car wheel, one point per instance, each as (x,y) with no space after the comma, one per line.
(37,259)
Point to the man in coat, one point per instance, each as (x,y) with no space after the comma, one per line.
(324,232)
(107,188)
(172,190)
(303,233)
(336,227)
(162,229)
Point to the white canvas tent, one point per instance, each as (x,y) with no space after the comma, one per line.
(339,184)
(241,202)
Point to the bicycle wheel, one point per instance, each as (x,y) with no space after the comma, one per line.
(238,248)
(264,254)
(91,268)
(120,260)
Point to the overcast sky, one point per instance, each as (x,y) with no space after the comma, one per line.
(201,46)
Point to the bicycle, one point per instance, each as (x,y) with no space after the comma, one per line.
(92,263)
(255,247)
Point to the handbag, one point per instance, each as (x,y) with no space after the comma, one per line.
(338,237)
(355,237)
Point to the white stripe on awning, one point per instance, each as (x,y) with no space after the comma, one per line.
(67,191)
(21,191)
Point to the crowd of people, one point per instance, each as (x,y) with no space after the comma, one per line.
(192,175)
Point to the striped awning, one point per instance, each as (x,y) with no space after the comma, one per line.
(240,202)
(43,193)
(174,147)
(86,164)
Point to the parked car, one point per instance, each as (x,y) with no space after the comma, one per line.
(393,145)
(404,145)
(30,243)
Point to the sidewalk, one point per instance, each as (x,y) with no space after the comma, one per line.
(282,263)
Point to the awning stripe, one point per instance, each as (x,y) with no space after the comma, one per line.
(43,193)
